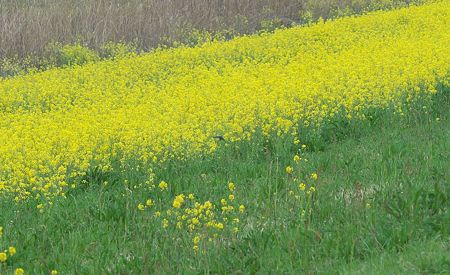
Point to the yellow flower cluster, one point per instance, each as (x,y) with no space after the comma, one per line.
(8,253)
(170,103)
(203,220)
(296,172)
(300,197)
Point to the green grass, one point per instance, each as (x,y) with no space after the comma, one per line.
(381,207)
(421,257)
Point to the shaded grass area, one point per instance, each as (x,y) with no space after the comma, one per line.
(380,206)
(422,257)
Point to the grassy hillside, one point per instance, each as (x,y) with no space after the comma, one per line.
(319,149)
(380,206)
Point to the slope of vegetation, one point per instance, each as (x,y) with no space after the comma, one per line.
(318,149)
(170,104)
(380,205)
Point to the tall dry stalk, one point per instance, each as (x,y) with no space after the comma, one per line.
(27,26)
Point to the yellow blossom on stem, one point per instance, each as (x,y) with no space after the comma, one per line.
(289,170)
(12,250)
(3,257)
(219,225)
(165,223)
(178,201)
(163,185)
(196,240)
(231,186)
(241,208)
(141,207)
(302,186)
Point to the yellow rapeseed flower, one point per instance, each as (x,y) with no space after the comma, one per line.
(196,240)
(231,186)
(141,207)
(165,223)
(179,225)
(289,170)
(176,204)
(302,186)
(219,225)
(163,185)
(19,271)
(178,201)
(241,208)
(208,205)
(3,257)
(12,250)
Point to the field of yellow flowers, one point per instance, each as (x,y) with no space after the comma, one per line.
(171,103)
(315,149)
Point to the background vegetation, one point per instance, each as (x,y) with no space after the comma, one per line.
(36,33)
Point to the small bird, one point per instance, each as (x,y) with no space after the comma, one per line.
(221,138)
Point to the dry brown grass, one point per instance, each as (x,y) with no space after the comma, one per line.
(27,26)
